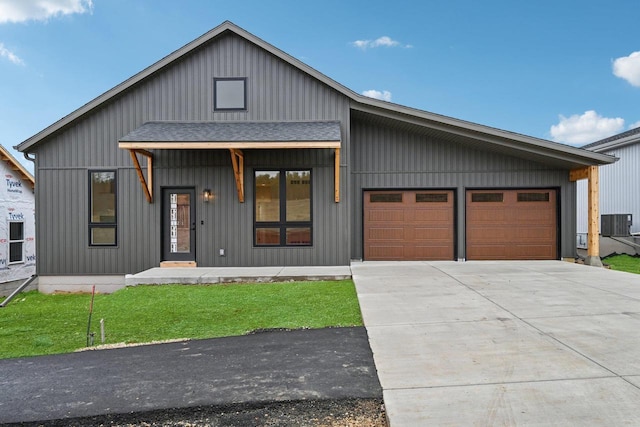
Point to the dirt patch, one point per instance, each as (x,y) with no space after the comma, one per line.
(324,413)
(124,344)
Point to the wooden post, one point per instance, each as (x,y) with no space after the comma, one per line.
(593,227)
(590,173)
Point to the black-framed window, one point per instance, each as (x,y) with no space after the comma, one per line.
(283,207)
(103,219)
(16,242)
(229,94)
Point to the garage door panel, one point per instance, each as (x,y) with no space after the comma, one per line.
(384,234)
(432,252)
(533,251)
(487,234)
(533,215)
(486,252)
(430,215)
(418,228)
(487,215)
(522,226)
(433,234)
(534,234)
(386,215)
(387,252)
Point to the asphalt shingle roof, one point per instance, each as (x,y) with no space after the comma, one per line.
(234,132)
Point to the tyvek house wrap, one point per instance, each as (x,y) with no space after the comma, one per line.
(17,204)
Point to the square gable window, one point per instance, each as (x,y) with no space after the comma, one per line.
(230,94)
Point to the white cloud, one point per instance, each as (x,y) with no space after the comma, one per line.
(362,44)
(384,41)
(634,125)
(385,95)
(6,53)
(628,68)
(40,10)
(588,127)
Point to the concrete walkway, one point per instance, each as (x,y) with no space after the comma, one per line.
(208,275)
(503,343)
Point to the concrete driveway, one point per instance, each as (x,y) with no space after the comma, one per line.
(503,343)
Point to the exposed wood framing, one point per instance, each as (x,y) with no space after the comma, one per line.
(336,176)
(578,174)
(17,167)
(593,243)
(147,184)
(237,160)
(593,227)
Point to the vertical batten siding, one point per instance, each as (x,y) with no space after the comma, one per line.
(184,91)
(394,157)
(618,188)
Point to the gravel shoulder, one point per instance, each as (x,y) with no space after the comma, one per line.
(305,413)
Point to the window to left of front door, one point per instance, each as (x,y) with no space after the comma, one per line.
(103,224)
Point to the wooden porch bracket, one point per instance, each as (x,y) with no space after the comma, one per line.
(593,227)
(147,184)
(237,160)
(579,174)
(336,178)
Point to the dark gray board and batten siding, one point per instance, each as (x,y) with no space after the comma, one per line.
(183,91)
(404,157)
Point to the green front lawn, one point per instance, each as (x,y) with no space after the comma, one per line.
(36,324)
(626,263)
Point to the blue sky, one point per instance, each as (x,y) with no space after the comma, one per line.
(563,70)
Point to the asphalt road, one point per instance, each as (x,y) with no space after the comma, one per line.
(267,367)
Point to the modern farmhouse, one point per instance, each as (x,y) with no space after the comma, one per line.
(230,152)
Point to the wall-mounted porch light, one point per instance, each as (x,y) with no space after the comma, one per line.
(207,195)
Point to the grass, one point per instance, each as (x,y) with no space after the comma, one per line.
(626,263)
(37,324)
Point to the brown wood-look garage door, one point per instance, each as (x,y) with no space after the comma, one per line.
(511,224)
(408,225)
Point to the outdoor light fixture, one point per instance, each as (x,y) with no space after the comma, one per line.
(207,195)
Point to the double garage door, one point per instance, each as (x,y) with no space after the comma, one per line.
(420,225)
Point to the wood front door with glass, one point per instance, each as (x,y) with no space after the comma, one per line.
(178,224)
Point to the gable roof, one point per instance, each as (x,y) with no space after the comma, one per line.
(17,167)
(501,140)
(616,141)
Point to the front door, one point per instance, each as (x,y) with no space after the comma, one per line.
(178,224)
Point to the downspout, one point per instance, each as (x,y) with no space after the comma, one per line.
(31,159)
